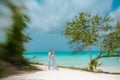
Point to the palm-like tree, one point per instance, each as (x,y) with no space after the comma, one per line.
(14,45)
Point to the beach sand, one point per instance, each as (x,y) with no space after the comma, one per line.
(62,74)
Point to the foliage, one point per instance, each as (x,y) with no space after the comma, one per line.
(86,30)
(14,45)
(112,41)
(78,30)
(95,64)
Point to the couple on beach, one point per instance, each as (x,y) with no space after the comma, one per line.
(51,60)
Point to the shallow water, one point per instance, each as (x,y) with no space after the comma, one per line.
(67,59)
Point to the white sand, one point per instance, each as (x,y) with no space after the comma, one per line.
(110,69)
(62,74)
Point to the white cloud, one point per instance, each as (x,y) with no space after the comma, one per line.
(51,15)
(115,14)
(6,18)
(5,21)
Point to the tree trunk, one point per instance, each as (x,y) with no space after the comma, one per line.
(97,58)
(92,68)
(90,53)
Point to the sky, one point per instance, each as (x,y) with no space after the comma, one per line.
(49,17)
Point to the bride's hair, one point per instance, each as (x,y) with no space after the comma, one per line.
(52,51)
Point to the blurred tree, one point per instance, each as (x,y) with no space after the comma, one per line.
(14,45)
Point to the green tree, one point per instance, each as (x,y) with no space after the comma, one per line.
(85,31)
(110,44)
(81,33)
(14,45)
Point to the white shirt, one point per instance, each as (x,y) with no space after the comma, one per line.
(49,54)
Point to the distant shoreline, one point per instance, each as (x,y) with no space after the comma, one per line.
(106,70)
(57,51)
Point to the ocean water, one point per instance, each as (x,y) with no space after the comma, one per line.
(68,59)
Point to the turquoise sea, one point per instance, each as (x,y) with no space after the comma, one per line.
(67,59)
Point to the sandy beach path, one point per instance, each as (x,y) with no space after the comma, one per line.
(62,74)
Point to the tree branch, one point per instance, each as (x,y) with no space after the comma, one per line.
(105,56)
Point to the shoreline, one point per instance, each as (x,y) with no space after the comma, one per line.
(106,70)
(61,74)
